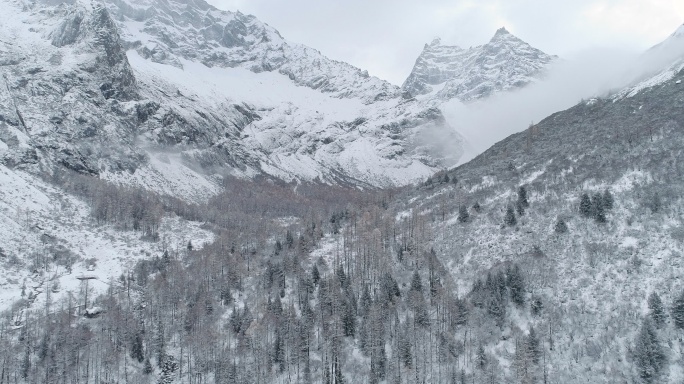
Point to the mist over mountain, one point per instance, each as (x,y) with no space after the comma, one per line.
(188,197)
(451,72)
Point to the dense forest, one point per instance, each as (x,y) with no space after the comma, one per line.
(534,263)
(301,285)
(340,291)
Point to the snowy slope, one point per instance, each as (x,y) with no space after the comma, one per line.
(125,86)
(39,222)
(595,278)
(168,31)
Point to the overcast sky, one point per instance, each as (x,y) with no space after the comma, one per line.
(386,36)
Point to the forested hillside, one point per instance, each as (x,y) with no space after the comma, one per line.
(553,257)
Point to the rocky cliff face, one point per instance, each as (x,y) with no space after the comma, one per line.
(173,94)
(450,72)
(194,30)
(67,82)
(157,93)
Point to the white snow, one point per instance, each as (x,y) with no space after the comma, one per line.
(652,81)
(31,210)
(167,174)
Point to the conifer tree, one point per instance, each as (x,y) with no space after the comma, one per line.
(405,354)
(536,306)
(608,200)
(339,378)
(510,219)
(481,358)
(461,312)
(522,197)
(657,203)
(366,302)
(496,307)
(477,207)
(649,354)
(341,276)
(422,315)
(585,207)
(137,347)
(463,214)
(677,311)
(533,346)
(279,351)
(516,285)
(560,227)
(315,275)
(147,369)
(598,209)
(520,208)
(289,239)
(349,320)
(416,282)
(657,312)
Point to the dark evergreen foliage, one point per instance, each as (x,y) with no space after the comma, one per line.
(510,219)
(289,239)
(522,197)
(657,311)
(560,227)
(481,358)
(365,302)
(533,348)
(536,306)
(422,316)
(137,347)
(462,312)
(648,353)
(389,289)
(279,351)
(677,311)
(516,285)
(598,209)
(585,207)
(405,353)
(416,282)
(315,275)
(463,214)
(655,204)
(520,208)
(147,369)
(349,319)
(608,200)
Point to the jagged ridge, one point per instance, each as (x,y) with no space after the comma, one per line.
(450,72)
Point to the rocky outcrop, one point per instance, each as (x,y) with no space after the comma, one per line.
(450,72)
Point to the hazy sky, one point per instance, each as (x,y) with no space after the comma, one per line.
(386,36)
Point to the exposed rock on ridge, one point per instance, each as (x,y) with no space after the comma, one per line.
(450,72)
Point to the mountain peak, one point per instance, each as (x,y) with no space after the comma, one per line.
(501,32)
(505,62)
(436,41)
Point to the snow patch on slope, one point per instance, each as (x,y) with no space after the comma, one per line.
(167,174)
(35,216)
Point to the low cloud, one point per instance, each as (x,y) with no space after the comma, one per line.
(591,73)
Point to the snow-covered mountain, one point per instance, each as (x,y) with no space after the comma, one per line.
(447,72)
(171,95)
(166,31)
